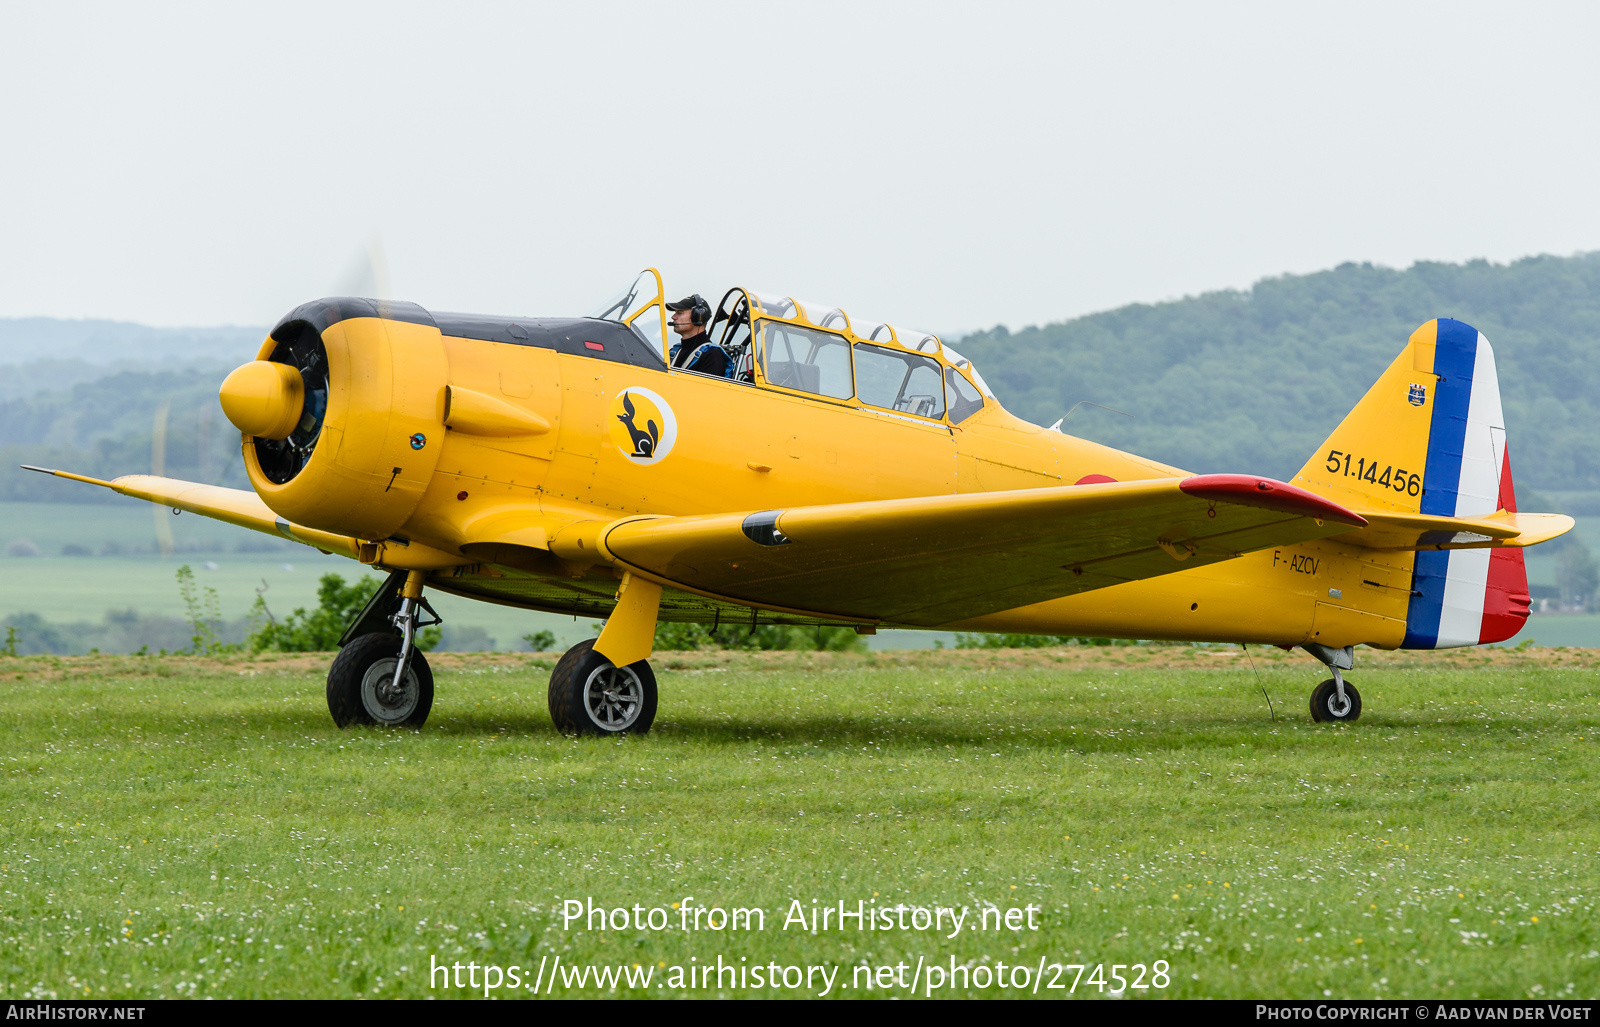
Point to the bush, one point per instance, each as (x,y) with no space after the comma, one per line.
(319,631)
(74,549)
(205,615)
(22,547)
(540,641)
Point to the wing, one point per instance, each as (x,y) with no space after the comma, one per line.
(931,561)
(235,506)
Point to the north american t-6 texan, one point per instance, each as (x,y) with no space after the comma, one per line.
(833,472)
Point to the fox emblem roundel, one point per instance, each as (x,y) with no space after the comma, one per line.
(642,425)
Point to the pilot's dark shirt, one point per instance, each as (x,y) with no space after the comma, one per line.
(713,361)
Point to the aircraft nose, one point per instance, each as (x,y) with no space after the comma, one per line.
(264,398)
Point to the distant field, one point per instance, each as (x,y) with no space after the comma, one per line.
(184,827)
(1560,629)
(65,589)
(126,522)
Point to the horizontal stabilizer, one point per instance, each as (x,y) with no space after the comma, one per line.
(1502,529)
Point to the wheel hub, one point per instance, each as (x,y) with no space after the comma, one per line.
(385,705)
(613,698)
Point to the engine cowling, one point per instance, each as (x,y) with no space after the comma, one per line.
(362,434)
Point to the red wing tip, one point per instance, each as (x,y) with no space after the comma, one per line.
(1252,490)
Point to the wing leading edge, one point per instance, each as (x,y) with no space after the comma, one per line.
(235,506)
(936,560)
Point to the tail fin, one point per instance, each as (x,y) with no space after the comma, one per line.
(1430,438)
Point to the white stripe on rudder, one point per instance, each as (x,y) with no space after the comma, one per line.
(1479,490)
(1461,615)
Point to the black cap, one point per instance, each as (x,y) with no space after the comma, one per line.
(699,309)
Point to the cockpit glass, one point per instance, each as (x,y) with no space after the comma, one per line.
(625,304)
(730,329)
(965,400)
(777,306)
(922,342)
(805,360)
(651,324)
(819,361)
(972,372)
(873,331)
(824,316)
(900,381)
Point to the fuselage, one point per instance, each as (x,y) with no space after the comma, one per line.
(428,493)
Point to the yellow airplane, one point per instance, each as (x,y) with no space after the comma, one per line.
(837,473)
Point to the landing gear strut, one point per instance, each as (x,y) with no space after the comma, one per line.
(380,677)
(1335,700)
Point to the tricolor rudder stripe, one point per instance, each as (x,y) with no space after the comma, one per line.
(1465,596)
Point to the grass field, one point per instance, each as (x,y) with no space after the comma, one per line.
(178,827)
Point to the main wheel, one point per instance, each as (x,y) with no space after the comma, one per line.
(359,680)
(1325,704)
(590,696)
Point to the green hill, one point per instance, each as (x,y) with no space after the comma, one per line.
(105,428)
(1253,381)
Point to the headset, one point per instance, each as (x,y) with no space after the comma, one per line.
(700,313)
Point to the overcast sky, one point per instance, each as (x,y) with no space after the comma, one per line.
(943,166)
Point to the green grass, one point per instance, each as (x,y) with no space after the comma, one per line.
(187,827)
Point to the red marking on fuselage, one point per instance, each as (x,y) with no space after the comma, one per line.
(1093,479)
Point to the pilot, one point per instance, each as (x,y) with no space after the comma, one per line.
(694,350)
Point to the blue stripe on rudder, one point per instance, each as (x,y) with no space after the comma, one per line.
(1455,354)
(1427,599)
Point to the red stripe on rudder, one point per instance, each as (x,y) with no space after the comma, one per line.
(1508,492)
(1505,600)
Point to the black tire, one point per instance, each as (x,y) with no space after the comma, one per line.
(361,667)
(590,696)
(1325,699)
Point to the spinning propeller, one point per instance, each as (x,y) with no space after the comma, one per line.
(281,400)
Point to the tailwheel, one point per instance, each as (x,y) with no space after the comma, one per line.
(1327,704)
(362,688)
(591,696)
